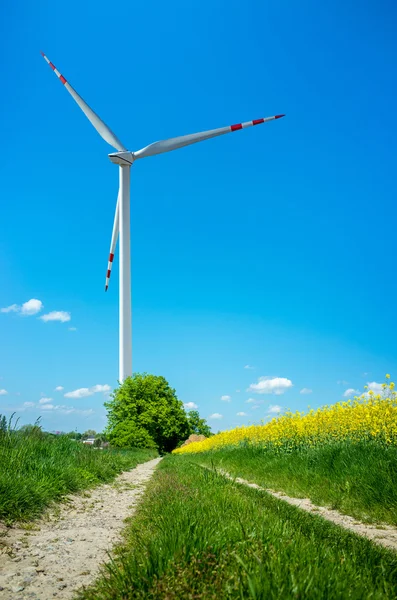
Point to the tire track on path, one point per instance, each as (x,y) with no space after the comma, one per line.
(385,535)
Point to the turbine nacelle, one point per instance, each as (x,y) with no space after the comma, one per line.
(122,158)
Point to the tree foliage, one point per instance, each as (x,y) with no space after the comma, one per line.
(90,433)
(145,413)
(197,425)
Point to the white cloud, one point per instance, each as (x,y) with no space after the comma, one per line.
(45,400)
(351,392)
(216,416)
(255,407)
(250,401)
(306,391)
(28,404)
(242,414)
(275,409)
(100,388)
(56,315)
(72,328)
(342,382)
(80,393)
(67,410)
(226,398)
(270,385)
(59,388)
(249,367)
(12,308)
(84,392)
(3,392)
(238,391)
(31,307)
(190,405)
(375,387)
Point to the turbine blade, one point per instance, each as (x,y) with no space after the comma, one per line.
(104,131)
(193,138)
(115,235)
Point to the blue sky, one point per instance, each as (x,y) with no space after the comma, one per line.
(272,248)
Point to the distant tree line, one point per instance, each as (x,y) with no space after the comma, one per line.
(144,412)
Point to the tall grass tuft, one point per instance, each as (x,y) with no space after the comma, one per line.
(37,468)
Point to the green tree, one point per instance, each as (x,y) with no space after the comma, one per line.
(197,425)
(74,435)
(145,413)
(90,433)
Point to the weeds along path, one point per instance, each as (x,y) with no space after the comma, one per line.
(384,535)
(62,552)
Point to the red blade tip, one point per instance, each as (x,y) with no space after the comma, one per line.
(42,53)
(279,116)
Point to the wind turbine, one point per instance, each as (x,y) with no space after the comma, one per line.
(124,158)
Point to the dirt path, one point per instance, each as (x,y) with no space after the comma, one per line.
(67,546)
(384,535)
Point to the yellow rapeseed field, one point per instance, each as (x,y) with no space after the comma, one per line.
(365,417)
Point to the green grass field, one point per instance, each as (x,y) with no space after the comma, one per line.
(36,469)
(197,535)
(358,479)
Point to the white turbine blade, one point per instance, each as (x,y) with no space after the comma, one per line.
(104,131)
(115,235)
(186,140)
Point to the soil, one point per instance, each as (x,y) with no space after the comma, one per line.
(62,552)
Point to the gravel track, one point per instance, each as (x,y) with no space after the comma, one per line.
(62,552)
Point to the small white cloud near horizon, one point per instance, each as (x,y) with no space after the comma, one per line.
(190,405)
(270,385)
(56,315)
(67,410)
(275,409)
(3,392)
(45,400)
(250,401)
(84,392)
(375,387)
(31,307)
(306,391)
(72,328)
(238,391)
(59,388)
(351,392)
(342,382)
(216,416)
(226,398)
(28,404)
(12,308)
(242,414)
(250,367)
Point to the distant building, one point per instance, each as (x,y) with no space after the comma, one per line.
(89,441)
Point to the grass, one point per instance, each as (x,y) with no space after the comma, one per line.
(199,536)
(37,468)
(356,478)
